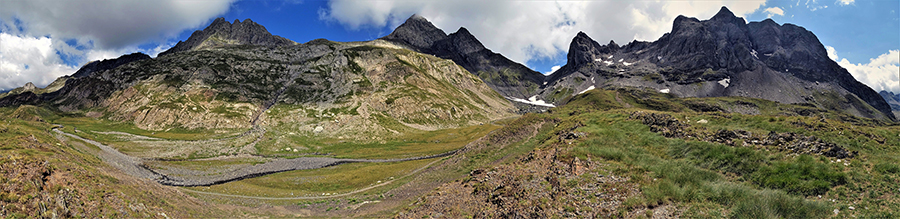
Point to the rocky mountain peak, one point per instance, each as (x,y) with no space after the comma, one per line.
(582,50)
(223,33)
(507,77)
(725,51)
(29,86)
(465,42)
(416,32)
(725,15)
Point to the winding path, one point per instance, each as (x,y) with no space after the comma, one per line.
(135,166)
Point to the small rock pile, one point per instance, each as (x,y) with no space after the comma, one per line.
(665,124)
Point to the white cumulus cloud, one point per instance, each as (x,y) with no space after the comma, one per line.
(881,73)
(36,32)
(110,24)
(773,11)
(535,30)
(845,2)
(553,69)
(29,59)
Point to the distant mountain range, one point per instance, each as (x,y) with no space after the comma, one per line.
(893,100)
(722,56)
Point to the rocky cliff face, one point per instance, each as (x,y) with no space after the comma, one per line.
(222,33)
(893,100)
(722,56)
(509,78)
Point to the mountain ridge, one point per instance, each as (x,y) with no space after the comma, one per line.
(220,32)
(722,56)
(507,77)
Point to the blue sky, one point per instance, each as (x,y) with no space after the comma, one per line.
(44,39)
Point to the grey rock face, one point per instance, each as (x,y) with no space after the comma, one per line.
(722,56)
(109,64)
(507,77)
(892,99)
(220,33)
(417,32)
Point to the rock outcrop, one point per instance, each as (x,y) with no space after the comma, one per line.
(107,64)
(222,33)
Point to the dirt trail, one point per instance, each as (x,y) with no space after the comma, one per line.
(132,166)
(175,176)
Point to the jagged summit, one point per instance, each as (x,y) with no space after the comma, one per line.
(582,49)
(416,32)
(221,33)
(723,13)
(507,77)
(722,56)
(29,86)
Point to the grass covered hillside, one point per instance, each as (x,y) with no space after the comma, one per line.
(635,153)
(606,153)
(51,176)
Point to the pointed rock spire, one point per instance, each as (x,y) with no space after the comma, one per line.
(726,15)
(723,13)
(465,42)
(417,32)
(582,49)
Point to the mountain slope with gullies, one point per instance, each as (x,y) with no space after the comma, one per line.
(722,56)
(348,90)
(511,79)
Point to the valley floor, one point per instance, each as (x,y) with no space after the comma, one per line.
(606,153)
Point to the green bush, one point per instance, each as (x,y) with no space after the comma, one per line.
(803,176)
(740,160)
(775,204)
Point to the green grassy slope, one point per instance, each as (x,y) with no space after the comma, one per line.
(681,158)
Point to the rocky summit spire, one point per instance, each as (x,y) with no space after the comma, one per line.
(465,42)
(416,32)
(582,49)
(725,15)
(222,33)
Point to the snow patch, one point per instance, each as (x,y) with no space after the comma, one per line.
(545,83)
(620,60)
(627,63)
(753,52)
(598,60)
(725,82)
(592,80)
(532,100)
(610,56)
(608,63)
(665,91)
(586,90)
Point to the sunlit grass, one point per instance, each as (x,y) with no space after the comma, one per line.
(331,180)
